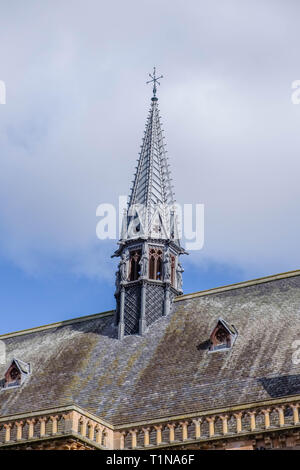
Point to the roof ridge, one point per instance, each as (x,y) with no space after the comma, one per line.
(214,290)
(238,285)
(49,326)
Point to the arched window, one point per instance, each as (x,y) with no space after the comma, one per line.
(155,264)
(152,264)
(159,268)
(135,268)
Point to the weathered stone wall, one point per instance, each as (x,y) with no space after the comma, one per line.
(287,440)
(53,444)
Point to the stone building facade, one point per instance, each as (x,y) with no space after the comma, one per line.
(217,369)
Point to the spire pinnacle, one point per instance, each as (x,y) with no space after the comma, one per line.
(154,79)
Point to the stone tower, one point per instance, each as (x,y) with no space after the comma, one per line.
(149,274)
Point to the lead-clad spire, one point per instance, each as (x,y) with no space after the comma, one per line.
(152,182)
(149,273)
(152,188)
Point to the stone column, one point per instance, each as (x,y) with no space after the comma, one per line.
(280,411)
(83,426)
(146,436)
(267,417)
(238,417)
(184,425)
(31,423)
(42,422)
(54,424)
(171,427)
(158,434)
(99,431)
(197,423)
(224,418)
(133,438)
(7,428)
(122,440)
(295,413)
(91,430)
(211,423)
(19,425)
(252,420)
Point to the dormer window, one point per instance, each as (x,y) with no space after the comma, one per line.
(222,337)
(16,374)
(13,376)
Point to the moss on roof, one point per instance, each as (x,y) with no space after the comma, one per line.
(165,372)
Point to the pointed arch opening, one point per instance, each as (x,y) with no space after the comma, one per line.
(155,263)
(134,265)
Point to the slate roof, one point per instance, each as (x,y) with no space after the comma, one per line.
(168,371)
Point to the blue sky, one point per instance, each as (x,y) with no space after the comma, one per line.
(73,121)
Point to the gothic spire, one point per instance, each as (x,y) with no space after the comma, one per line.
(152,182)
(149,274)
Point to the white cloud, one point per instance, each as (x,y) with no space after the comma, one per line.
(76,107)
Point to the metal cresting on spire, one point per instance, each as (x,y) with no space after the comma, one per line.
(154,79)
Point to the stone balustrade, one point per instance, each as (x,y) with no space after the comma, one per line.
(214,426)
(219,426)
(41,427)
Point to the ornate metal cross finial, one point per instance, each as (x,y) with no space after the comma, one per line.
(154,80)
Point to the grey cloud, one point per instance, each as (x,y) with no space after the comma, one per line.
(75,113)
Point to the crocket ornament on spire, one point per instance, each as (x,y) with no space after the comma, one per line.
(149,273)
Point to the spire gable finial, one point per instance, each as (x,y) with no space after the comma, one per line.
(155,81)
